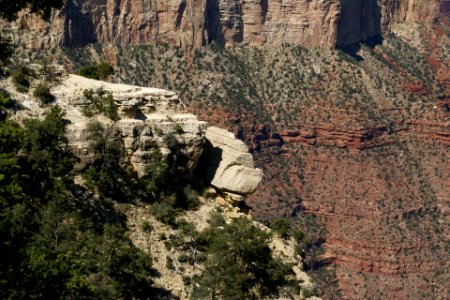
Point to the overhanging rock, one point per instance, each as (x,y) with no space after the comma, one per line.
(229,166)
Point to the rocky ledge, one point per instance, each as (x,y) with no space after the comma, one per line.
(153,119)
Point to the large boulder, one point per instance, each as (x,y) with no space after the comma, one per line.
(227,164)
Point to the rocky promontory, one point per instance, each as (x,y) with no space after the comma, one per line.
(152,120)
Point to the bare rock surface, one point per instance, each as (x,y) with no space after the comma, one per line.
(150,120)
(129,98)
(231,167)
(199,22)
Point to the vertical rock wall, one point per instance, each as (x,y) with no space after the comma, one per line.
(193,23)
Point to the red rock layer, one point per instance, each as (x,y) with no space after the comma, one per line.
(197,22)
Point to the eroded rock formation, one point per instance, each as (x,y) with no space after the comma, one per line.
(150,119)
(154,119)
(228,165)
(237,22)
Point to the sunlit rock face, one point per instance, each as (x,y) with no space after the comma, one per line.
(193,23)
(149,119)
(155,120)
(227,163)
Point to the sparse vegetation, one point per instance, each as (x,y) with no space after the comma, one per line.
(147,227)
(5,100)
(280,226)
(239,262)
(284,89)
(56,242)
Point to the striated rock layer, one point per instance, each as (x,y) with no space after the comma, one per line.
(235,22)
(150,119)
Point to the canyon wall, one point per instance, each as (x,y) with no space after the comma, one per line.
(369,19)
(193,23)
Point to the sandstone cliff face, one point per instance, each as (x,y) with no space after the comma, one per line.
(229,22)
(370,19)
(369,165)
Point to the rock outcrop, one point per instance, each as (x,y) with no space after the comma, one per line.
(227,163)
(155,120)
(150,119)
(198,22)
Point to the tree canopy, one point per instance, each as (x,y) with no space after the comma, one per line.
(55,241)
(239,262)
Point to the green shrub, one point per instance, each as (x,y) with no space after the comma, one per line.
(239,262)
(100,71)
(187,228)
(42,92)
(187,280)
(309,292)
(106,173)
(101,102)
(147,227)
(280,226)
(5,101)
(164,213)
(88,94)
(108,107)
(179,128)
(6,49)
(169,263)
(190,198)
(20,80)
(183,258)
(299,236)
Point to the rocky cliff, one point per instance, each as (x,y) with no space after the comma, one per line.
(228,22)
(359,147)
(151,120)
(354,151)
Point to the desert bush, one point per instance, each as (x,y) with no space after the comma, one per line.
(187,280)
(101,102)
(146,226)
(20,80)
(6,49)
(100,71)
(239,260)
(169,263)
(179,128)
(280,226)
(164,213)
(42,92)
(5,100)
